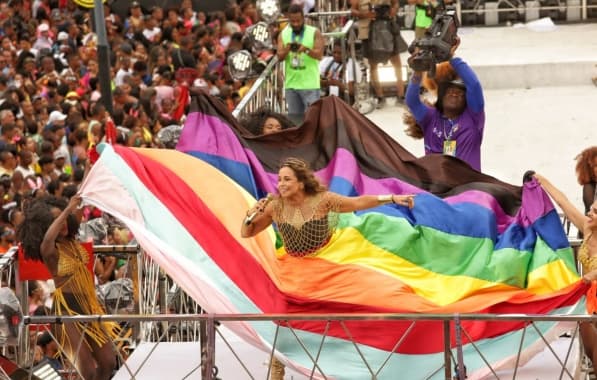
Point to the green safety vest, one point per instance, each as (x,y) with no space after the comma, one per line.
(307,76)
(421,18)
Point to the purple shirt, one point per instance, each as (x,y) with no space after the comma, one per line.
(467,131)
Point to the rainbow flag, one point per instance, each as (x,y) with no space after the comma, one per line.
(482,247)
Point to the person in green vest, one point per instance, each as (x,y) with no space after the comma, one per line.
(424,14)
(300,47)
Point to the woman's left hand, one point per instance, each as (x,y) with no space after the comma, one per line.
(404,200)
(74,202)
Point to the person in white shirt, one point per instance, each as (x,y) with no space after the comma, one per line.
(338,77)
(43,39)
(25,165)
(152,31)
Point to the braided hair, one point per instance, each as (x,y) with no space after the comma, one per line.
(304,175)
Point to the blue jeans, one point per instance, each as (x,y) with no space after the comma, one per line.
(299,100)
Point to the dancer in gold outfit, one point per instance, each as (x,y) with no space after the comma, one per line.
(48,234)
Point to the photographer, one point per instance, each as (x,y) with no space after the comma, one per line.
(454,125)
(300,46)
(376,18)
(337,76)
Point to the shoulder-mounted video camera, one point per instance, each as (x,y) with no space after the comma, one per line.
(436,44)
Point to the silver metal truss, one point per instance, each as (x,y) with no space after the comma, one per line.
(453,327)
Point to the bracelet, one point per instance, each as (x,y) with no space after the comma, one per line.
(307,51)
(385,198)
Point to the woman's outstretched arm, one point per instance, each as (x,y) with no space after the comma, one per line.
(576,217)
(363,202)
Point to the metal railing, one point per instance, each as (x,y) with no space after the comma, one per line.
(165,313)
(452,326)
(266,91)
(268,88)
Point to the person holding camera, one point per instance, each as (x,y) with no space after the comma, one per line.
(375,18)
(338,76)
(300,47)
(454,125)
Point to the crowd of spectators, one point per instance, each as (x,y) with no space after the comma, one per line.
(52,110)
(51,107)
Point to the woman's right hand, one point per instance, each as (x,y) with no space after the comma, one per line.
(259,206)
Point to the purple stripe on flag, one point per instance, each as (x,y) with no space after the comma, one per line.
(210,134)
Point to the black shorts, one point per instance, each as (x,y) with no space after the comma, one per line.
(399,45)
(72,303)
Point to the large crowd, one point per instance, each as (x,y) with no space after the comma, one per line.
(51,107)
(52,112)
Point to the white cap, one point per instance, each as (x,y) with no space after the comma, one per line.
(43,27)
(59,154)
(56,116)
(62,36)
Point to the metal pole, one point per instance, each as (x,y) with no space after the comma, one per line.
(163,295)
(461,370)
(447,352)
(210,357)
(103,55)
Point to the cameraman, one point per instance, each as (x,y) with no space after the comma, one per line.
(454,125)
(382,12)
(300,46)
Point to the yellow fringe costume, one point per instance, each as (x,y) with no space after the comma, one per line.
(80,297)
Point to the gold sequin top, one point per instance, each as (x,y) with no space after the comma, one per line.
(72,256)
(306,228)
(589,263)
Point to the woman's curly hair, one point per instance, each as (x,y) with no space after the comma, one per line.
(37,219)
(255,120)
(584,166)
(304,175)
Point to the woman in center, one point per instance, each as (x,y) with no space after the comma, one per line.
(305,212)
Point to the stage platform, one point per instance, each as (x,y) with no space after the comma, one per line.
(178,361)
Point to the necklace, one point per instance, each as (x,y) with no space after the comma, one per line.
(453,128)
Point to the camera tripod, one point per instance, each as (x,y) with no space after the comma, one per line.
(363,101)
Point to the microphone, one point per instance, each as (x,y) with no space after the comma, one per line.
(249,218)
